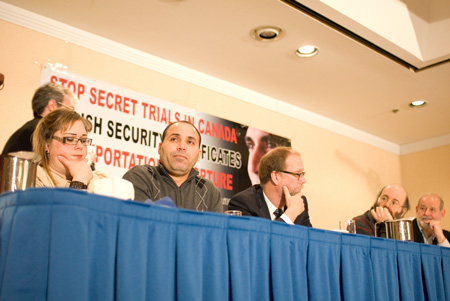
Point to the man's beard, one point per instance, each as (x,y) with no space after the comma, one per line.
(422,222)
(396,216)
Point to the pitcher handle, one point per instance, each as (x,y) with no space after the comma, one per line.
(376,230)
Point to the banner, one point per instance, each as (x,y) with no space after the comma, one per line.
(128,126)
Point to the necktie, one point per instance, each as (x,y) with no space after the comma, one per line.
(278,213)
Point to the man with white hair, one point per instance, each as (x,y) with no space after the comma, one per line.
(427,224)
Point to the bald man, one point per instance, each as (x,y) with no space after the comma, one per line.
(392,203)
(427,224)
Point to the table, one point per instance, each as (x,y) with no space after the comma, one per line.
(63,244)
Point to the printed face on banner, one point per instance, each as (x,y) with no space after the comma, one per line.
(180,149)
(127,129)
(259,143)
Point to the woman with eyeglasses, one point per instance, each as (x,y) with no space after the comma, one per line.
(61,138)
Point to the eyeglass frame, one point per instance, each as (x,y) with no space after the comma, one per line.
(63,140)
(299,175)
(64,105)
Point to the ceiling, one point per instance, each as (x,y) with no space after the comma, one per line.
(380,56)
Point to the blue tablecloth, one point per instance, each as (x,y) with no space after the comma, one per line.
(60,244)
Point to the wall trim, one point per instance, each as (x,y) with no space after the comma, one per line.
(425,144)
(85,39)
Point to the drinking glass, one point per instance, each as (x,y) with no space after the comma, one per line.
(348,225)
(233,212)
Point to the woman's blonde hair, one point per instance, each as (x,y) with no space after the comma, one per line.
(58,120)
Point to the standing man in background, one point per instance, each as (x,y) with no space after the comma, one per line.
(46,99)
(427,224)
(175,176)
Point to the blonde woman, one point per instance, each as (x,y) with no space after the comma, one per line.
(61,138)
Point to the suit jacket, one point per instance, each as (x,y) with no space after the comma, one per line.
(418,237)
(21,139)
(251,202)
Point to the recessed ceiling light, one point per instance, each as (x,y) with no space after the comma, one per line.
(418,103)
(267,33)
(307,51)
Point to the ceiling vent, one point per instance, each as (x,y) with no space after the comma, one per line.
(267,33)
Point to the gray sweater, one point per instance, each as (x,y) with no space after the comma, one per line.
(154,183)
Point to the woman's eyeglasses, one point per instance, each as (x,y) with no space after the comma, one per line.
(73,140)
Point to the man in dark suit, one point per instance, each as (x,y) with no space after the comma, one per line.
(279,196)
(47,98)
(427,224)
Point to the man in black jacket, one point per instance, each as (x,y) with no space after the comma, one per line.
(279,196)
(427,224)
(46,99)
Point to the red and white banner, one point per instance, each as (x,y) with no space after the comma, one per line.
(127,129)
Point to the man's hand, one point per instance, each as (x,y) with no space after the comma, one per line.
(381,214)
(438,231)
(79,170)
(294,203)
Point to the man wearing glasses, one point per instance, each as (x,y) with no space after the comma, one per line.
(279,196)
(392,203)
(46,99)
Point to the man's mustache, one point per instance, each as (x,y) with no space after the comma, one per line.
(395,216)
(180,152)
(423,218)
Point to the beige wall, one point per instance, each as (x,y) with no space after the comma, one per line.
(343,175)
(428,171)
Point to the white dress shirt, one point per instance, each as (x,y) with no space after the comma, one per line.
(429,240)
(272,209)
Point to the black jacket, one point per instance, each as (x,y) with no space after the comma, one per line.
(21,139)
(418,237)
(251,202)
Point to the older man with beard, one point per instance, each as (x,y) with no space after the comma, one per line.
(427,224)
(392,203)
